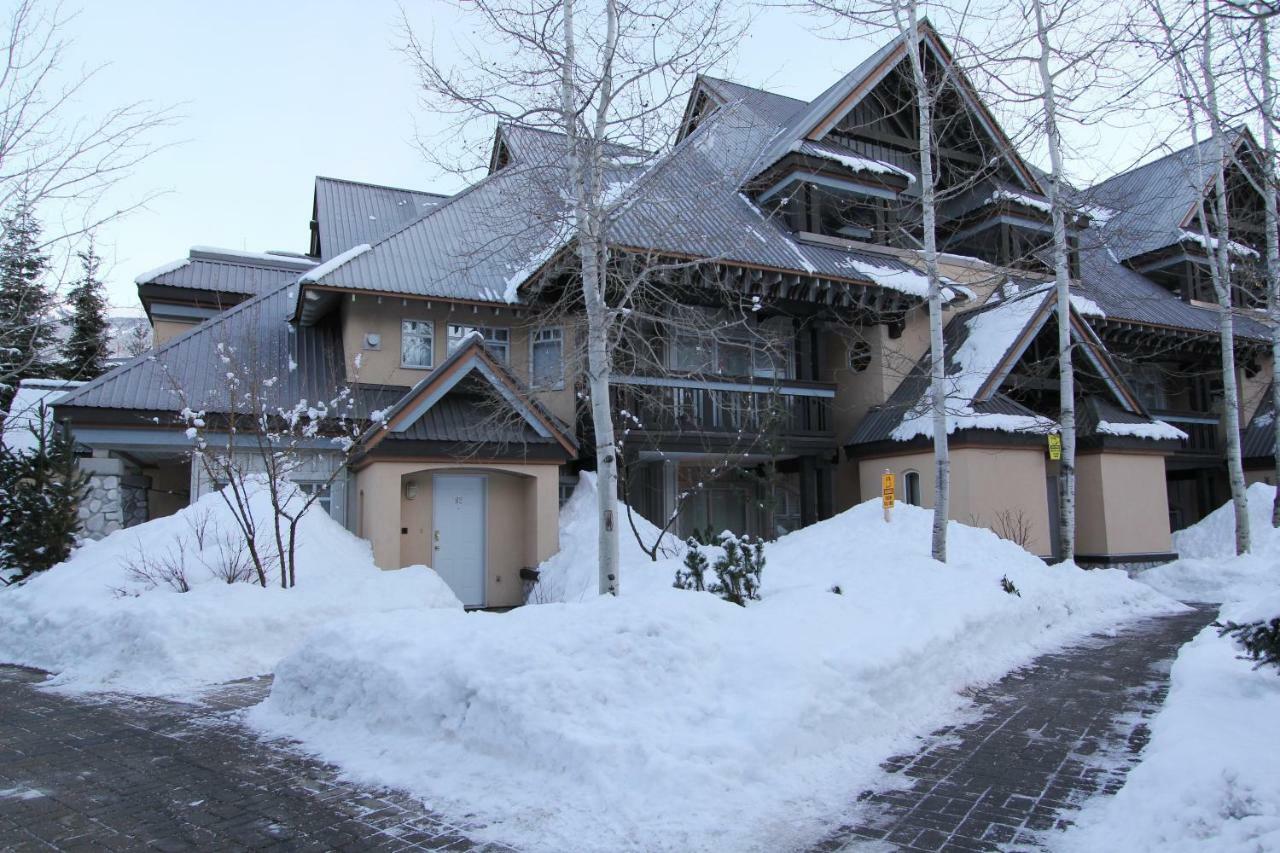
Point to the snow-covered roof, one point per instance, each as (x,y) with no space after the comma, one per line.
(24,421)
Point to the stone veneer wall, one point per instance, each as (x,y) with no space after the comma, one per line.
(115,497)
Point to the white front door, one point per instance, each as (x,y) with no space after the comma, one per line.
(458,535)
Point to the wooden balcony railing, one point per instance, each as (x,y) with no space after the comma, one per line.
(748,406)
(1202,429)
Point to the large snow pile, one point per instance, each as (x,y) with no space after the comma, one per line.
(1208,568)
(23,423)
(571,575)
(1208,780)
(97,625)
(1214,535)
(671,720)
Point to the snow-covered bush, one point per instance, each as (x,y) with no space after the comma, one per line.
(693,573)
(1259,639)
(738,569)
(97,622)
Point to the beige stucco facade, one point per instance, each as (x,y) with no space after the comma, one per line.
(521,517)
(1121,504)
(990,487)
(366,315)
(164,330)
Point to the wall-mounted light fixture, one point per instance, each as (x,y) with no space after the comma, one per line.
(410,489)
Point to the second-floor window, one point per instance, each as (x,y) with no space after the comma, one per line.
(546,357)
(496,340)
(730,358)
(416,338)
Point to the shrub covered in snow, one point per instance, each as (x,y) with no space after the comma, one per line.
(671,720)
(149,609)
(1260,639)
(40,492)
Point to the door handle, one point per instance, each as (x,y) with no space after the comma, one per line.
(436,536)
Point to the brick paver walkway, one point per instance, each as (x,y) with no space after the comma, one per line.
(116,773)
(1047,738)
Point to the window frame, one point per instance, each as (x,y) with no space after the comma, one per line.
(534,382)
(430,326)
(490,335)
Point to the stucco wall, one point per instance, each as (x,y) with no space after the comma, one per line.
(366,314)
(1121,504)
(163,330)
(1254,390)
(986,483)
(1260,475)
(522,517)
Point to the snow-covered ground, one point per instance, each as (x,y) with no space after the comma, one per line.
(671,720)
(1207,568)
(97,626)
(1207,780)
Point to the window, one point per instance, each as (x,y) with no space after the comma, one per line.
(546,357)
(859,356)
(496,341)
(415,344)
(911,488)
(731,358)
(325,499)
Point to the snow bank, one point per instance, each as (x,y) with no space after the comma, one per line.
(1208,569)
(97,626)
(671,720)
(1207,781)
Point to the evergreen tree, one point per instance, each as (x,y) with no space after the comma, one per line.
(25,299)
(40,491)
(85,356)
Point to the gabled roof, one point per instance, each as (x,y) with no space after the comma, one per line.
(483,243)
(257,328)
(1151,206)
(446,406)
(770,107)
(1127,296)
(982,347)
(824,112)
(228,271)
(348,213)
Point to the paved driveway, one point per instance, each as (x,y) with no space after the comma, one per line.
(125,774)
(116,773)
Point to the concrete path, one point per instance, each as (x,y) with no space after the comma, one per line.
(117,773)
(1046,738)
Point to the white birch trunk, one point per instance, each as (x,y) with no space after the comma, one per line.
(1272,226)
(1220,273)
(584,179)
(1062,278)
(937,353)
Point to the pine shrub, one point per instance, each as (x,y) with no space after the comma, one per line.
(738,569)
(1007,586)
(1260,640)
(693,575)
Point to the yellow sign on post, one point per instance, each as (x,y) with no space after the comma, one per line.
(886,492)
(1055,446)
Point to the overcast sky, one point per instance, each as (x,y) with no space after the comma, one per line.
(273,94)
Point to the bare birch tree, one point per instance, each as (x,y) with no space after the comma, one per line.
(1186,42)
(59,164)
(1255,60)
(603,75)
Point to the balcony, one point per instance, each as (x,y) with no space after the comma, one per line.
(731,408)
(1202,429)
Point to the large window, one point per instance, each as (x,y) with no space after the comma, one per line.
(324,492)
(546,357)
(497,341)
(416,344)
(731,357)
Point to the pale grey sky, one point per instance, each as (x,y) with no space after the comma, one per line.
(275,93)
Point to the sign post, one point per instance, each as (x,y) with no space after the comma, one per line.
(886,494)
(1055,446)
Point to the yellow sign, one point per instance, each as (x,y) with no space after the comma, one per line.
(1055,446)
(886,490)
